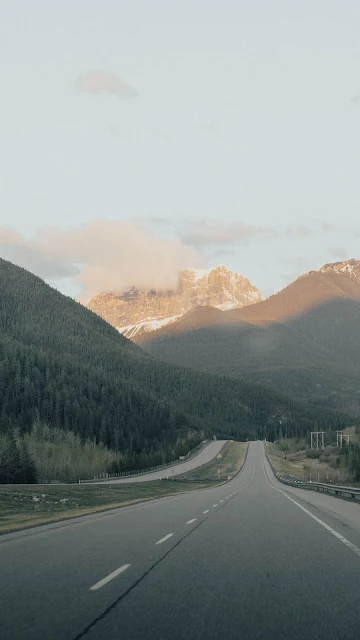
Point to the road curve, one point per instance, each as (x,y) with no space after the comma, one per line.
(206,455)
(251,559)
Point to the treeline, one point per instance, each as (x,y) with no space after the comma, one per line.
(350,452)
(47,454)
(63,366)
(16,464)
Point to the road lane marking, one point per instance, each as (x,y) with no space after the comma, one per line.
(227,497)
(110,577)
(164,538)
(207,511)
(335,533)
(221,500)
(191,521)
(214,505)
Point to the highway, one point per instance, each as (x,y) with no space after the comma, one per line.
(205,455)
(251,559)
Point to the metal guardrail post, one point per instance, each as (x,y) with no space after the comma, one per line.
(316,486)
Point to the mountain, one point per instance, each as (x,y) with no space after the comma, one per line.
(304,340)
(62,365)
(139,311)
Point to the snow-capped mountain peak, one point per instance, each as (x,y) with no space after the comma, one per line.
(137,311)
(348,267)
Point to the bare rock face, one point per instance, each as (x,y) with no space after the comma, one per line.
(137,311)
(350,268)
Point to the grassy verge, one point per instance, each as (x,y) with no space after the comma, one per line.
(300,465)
(28,506)
(229,464)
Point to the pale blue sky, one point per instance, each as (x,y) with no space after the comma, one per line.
(242,144)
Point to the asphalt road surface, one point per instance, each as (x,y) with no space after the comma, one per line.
(251,559)
(206,455)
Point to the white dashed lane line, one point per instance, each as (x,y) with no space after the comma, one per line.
(120,570)
(110,577)
(164,538)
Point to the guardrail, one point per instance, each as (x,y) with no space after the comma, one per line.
(353,492)
(332,489)
(103,477)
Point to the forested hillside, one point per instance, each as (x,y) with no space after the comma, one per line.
(62,365)
(303,341)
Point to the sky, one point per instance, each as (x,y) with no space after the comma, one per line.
(139,138)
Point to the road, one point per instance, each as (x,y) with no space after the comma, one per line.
(206,455)
(251,559)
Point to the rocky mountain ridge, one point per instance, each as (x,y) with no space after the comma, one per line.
(138,311)
(348,267)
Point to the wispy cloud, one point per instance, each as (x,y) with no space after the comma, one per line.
(223,252)
(101,82)
(327,226)
(338,253)
(299,231)
(101,256)
(205,234)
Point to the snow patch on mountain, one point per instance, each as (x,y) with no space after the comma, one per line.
(150,324)
(348,267)
(136,311)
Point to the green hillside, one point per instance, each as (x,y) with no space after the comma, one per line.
(303,341)
(62,365)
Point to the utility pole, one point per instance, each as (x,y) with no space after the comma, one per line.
(340,436)
(317,439)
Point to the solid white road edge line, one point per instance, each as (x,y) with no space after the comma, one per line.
(191,521)
(164,538)
(111,576)
(337,535)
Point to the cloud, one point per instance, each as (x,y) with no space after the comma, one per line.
(299,231)
(101,82)
(14,248)
(203,234)
(223,252)
(101,256)
(338,252)
(327,226)
(356,98)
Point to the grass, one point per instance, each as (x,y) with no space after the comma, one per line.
(229,464)
(301,466)
(24,506)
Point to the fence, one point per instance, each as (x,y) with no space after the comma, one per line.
(110,476)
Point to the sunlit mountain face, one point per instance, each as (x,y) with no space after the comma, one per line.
(303,340)
(135,311)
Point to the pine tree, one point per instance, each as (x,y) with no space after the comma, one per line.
(9,458)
